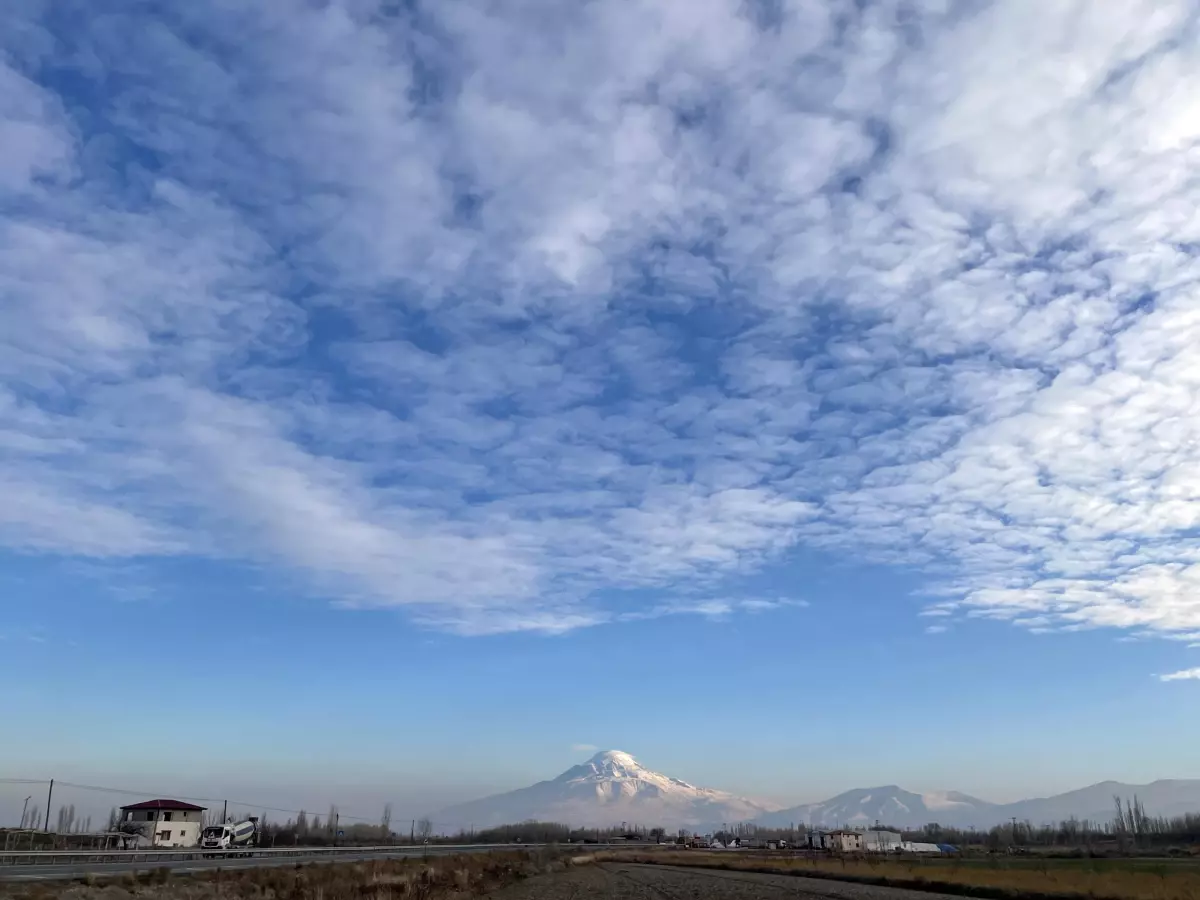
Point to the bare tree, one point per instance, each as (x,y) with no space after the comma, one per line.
(131,831)
(424,829)
(66,819)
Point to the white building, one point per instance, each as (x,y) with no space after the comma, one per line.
(881,841)
(845,841)
(171,823)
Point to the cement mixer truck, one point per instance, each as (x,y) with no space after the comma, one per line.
(231,836)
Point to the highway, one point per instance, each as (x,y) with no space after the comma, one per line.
(110,864)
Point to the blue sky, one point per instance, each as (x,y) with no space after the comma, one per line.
(424,390)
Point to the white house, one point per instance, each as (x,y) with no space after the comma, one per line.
(845,841)
(172,823)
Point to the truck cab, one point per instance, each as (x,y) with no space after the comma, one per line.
(230,836)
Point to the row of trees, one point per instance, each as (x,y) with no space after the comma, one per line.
(1130,829)
(1134,828)
(315,832)
(67,822)
(551,832)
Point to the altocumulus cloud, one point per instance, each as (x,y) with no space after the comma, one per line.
(482,309)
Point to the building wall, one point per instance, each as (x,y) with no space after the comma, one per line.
(881,841)
(170,827)
(847,842)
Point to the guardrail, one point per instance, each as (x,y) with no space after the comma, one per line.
(154,857)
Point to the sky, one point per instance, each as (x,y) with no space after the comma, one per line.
(399,398)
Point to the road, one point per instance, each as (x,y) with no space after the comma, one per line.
(54,872)
(627,881)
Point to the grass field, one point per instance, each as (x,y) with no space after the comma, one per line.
(1000,878)
(385,879)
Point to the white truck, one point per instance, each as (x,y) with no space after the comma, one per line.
(231,836)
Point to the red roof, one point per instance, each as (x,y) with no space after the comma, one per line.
(166,804)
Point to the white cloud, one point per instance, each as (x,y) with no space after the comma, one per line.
(936,629)
(487,311)
(1182,675)
(584,748)
(715,608)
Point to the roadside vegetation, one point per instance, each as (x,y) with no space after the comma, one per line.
(998,878)
(384,879)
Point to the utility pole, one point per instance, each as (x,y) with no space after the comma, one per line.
(49,797)
(24,809)
(412,832)
(225,814)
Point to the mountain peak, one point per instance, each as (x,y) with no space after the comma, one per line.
(618,757)
(614,764)
(609,788)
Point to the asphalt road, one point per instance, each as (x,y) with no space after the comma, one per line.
(55,872)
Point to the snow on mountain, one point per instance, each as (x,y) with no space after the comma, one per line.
(610,788)
(890,805)
(895,806)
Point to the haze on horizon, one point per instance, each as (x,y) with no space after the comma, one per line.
(800,394)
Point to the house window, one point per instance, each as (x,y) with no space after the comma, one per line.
(166,817)
(164,835)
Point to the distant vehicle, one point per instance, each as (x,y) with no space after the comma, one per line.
(230,836)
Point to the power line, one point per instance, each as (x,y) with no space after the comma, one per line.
(232,802)
(130,793)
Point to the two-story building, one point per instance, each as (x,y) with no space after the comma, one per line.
(844,841)
(169,823)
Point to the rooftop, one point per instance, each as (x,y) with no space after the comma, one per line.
(166,804)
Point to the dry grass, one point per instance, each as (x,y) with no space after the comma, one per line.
(1117,879)
(383,879)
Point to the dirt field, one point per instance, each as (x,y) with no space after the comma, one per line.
(1093,879)
(625,881)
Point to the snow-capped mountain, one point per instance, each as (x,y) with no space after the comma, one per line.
(610,788)
(889,805)
(895,806)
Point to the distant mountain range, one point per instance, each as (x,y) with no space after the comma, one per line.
(895,806)
(890,805)
(610,788)
(613,787)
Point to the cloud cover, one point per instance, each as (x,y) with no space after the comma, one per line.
(482,310)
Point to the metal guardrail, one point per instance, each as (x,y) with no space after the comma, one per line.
(154,857)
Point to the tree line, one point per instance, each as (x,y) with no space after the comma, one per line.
(1130,829)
